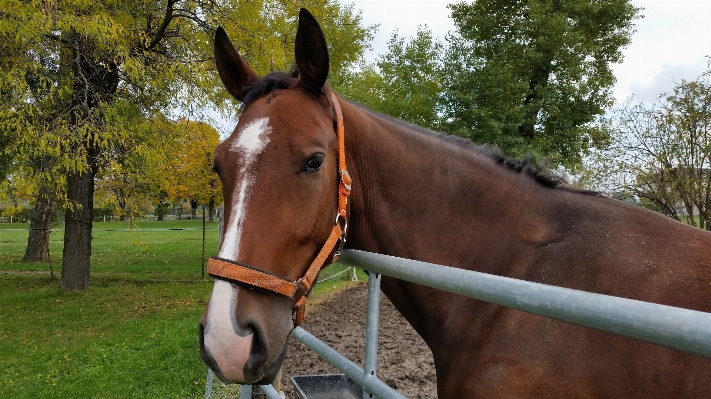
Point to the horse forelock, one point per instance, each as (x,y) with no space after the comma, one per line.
(268,84)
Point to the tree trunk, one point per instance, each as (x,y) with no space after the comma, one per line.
(76,258)
(94,81)
(159,211)
(193,209)
(532,102)
(38,241)
(211,209)
(122,210)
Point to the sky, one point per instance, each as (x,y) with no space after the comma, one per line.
(670,42)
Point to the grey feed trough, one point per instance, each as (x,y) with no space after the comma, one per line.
(326,386)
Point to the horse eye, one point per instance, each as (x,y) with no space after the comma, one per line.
(314,164)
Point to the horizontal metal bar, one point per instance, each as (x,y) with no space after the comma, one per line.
(352,370)
(270,392)
(676,328)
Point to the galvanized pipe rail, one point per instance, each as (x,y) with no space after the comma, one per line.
(369,382)
(676,328)
(366,376)
(371,329)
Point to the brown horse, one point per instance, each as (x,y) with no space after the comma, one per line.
(430,197)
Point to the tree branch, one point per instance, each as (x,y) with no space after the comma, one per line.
(57,38)
(164,26)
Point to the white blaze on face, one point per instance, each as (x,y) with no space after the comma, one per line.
(229,349)
(252,140)
(223,338)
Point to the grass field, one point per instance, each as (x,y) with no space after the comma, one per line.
(133,334)
(155,249)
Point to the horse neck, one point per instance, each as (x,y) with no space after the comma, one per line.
(419,197)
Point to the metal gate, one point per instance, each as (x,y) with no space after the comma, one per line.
(675,328)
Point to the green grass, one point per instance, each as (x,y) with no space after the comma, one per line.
(120,339)
(145,250)
(133,334)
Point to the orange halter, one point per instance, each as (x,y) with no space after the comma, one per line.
(297,290)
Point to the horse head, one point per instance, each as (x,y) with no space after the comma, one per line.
(281,195)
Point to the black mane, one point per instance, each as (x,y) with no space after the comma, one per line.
(266,85)
(525,166)
(283,80)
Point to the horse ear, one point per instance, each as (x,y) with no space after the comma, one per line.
(311,53)
(233,69)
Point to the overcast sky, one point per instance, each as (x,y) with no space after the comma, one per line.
(670,42)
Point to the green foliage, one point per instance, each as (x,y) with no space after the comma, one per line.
(18,214)
(661,153)
(405,83)
(85,85)
(188,171)
(5,156)
(133,171)
(530,76)
(160,211)
(264,32)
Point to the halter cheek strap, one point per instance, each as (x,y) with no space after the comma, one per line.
(297,290)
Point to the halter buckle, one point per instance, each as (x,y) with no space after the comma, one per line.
(300,286)
(346,179)
(342,240)
(339,247)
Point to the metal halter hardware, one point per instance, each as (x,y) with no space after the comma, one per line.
(297,290)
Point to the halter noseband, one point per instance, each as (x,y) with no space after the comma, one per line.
(297,290)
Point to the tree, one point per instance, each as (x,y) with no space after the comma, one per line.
(661,153)
(405,83)
(5,157)
(190,174)
(37,249)
(15,192)
(29,111)
(531,75)
(133,170)
(153,54)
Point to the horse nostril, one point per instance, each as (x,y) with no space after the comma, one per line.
(259,349)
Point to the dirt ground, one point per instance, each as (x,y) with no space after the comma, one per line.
(404,361)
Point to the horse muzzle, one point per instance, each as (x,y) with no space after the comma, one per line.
(241,341)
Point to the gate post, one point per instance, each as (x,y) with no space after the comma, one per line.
(371,328)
